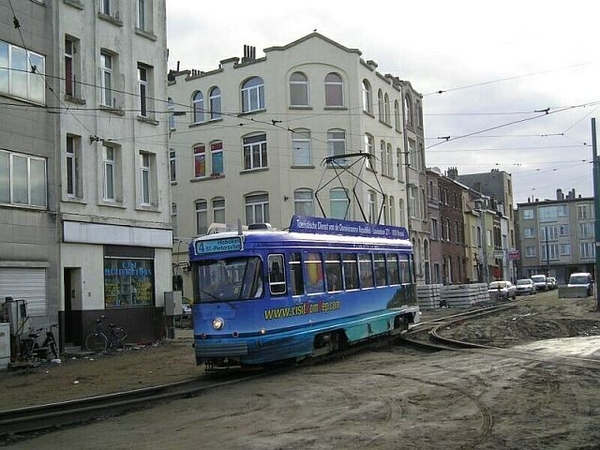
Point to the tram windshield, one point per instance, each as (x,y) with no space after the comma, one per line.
(231,279)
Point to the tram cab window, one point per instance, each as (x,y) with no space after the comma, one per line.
(350,271)
(297,279)
(365,267)
(333,272)
(314,273)
(277,282)
(229,279)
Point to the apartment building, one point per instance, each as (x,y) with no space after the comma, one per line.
(309,128)
(101,134)
(556,237)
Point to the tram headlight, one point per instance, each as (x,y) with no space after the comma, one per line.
(218,323)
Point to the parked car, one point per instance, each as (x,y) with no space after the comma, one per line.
(582,279)
(186,308)
(502,289)
(552,283)
(526,286)
(540,281)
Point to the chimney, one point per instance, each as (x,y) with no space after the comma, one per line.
(452,172)
(249,54)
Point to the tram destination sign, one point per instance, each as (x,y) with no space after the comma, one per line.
(230,244)
(306,224)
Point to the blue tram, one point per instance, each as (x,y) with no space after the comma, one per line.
(263,296)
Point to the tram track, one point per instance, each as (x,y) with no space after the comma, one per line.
(24,422)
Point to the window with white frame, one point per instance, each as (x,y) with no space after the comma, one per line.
(214,99)
(434,229)
(385,212)
(23,180)
(550,251)
(172,166)
(412,154)
(218,205)
(144,89)
(334,90)
(301,148)
(586,230)
(144,15)
(111,173)
(174,218)
(199,160)
(72,67)
(529,232)
(565,229)
(583,212)
(73,162)
(253,95)
(255,152)
(370,150)
(528,214)
(408,111)
(565,249)
(338,203)
(304,202)
(587,250)
(380,105)
(106,79)
(216,157)
(147,179)
(198,107)
(392,209)
(386,108)
(530,252)
(336,144)
(299,89)
(383,154)
(201,217)
(22,73)
(413,198)
(367,97)
(399,158)
(372,215)
(257,208)
(106,7)
(397,116)
(389,160)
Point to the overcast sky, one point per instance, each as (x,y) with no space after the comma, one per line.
(500,65)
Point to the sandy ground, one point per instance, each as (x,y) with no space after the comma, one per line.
(540,393)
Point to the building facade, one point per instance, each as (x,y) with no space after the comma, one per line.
(311,128)
(557,237)
(103,139)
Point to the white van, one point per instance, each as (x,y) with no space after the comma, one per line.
(582,279)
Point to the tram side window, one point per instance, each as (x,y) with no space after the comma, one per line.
(365,267)
(392,269)
(333,271)
(404,270)
(350,271)
(380,272)
(277,282)
(296,274)
(313,266)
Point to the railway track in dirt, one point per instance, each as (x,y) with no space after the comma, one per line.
(16,424)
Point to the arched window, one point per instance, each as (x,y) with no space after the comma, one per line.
(380,105)
(397,116)
(386,108)
(253,95)
(171,110)
(383,157)
(334,90)
(214,97)
(301,147)
(367,97)
(370,149)
(199,160)
(198,107)
(298,89)
(304,204)
(338,203)
(336,144)
(389,159)
(216,157)
(408,113)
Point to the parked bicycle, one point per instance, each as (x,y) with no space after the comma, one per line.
(105,338)
(31,350)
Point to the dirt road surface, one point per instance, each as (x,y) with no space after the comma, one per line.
(540,389)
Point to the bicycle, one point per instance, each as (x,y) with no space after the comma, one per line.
(30,350)
(102,339)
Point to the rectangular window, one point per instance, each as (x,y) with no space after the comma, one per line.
(199,161)
(313,267)
(434,229)
(201,217)
(23,180)
(393,272)
(71,67)
(128,282)
(109,166)
(336,145)
(586,230)
(365,268)
(301,148)
(143,90)
(303,202)
(528,214)
(257,209)
(565,249)
(216,154)
(350,271)
(297,281)
(141,14)
(530,252)
(106,7)
(173,166)
(22,73)
(380,271)
(255,152)
(277,283)
(146,183)
(73,156)
(333,272)
(219,210)
(587,250)
(106,79)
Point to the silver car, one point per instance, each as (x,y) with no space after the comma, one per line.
(502,289)
(526,286)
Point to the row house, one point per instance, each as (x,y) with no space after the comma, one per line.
(250,141)
(85,209)
(556,237)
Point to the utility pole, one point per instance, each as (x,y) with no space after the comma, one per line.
(596,178)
